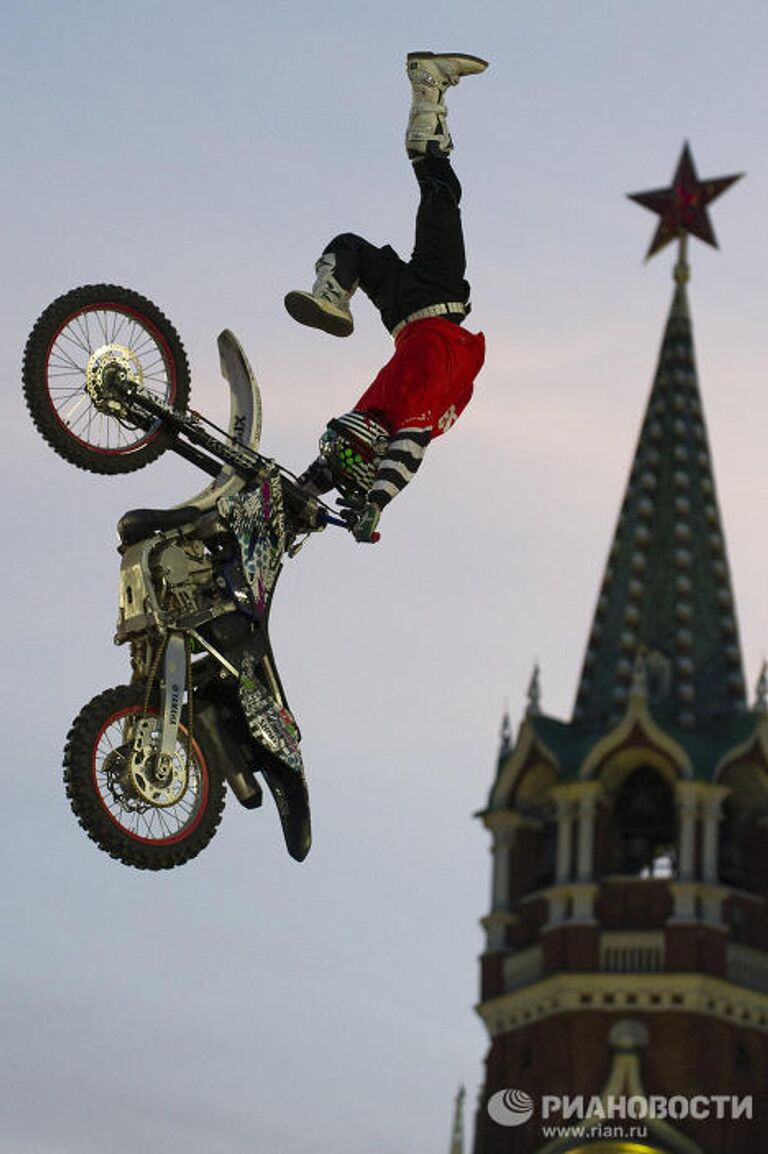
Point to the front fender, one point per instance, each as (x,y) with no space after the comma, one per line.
(244,418)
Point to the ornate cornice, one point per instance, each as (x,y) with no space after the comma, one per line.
(637,727)
(528,748)
(654,993)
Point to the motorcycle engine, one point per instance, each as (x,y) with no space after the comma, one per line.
(183,575)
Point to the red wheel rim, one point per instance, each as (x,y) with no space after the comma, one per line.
(60,364)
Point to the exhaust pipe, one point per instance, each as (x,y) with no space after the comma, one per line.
(228,755)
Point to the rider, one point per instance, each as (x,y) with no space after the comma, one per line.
(371,453)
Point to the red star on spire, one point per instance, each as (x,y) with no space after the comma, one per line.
(683,207)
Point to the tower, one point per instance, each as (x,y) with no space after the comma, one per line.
(624,980)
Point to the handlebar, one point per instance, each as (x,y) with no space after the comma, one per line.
(313,513)
(331,519)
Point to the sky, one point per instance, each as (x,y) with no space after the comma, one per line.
(202,154)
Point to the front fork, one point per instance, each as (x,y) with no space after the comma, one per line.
(156,773)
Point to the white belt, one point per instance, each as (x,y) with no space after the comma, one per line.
(431,311)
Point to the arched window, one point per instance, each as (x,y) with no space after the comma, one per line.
(746,803)
(646,824)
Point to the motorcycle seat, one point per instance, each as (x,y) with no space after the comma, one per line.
(137,524)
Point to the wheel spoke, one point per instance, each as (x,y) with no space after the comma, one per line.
(76,336)
(61,357)
(74,411)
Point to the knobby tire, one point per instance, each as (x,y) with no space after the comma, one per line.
(65,342)
(90,744)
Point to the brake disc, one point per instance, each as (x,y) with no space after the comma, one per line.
(110,368)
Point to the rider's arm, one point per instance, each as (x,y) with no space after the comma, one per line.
(404,454)
(403,457)
(317,478)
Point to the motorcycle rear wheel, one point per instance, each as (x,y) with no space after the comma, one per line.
(76,340)
(113,815)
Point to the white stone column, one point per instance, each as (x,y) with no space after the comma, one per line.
(502,844)
(496,926)
(583,898)
(684,898)
(557,898)
(688,805)
(587,797)
(503,825)
(712,897)
(711,802)
(564,800)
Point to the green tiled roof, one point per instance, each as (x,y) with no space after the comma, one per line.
(666,592)
(570,742)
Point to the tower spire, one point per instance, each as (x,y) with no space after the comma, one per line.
(505,738)
(457,1132)
(534,692)
(667,587)
(761,691)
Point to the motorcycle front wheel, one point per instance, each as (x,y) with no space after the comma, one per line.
(118,818)
(80,341)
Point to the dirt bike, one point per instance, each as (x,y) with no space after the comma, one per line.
(106,381)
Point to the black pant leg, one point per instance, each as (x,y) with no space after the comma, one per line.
(435,272)
(438,262)
(378,272)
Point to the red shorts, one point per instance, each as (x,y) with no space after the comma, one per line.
(428,381)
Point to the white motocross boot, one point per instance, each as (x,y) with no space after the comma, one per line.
(326,307)
(430,74)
